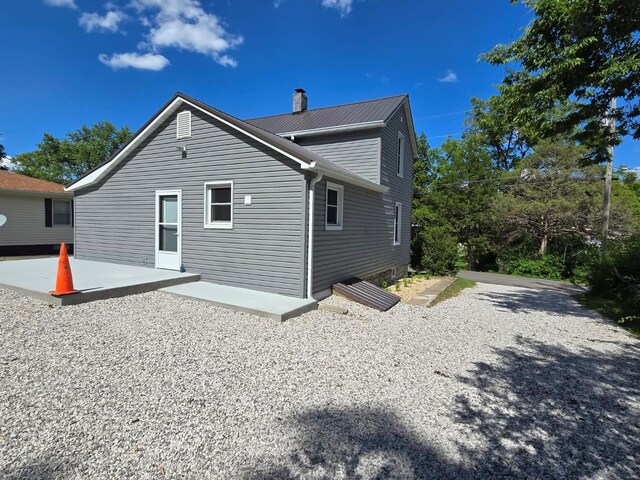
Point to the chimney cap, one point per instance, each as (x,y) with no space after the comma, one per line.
(300,90)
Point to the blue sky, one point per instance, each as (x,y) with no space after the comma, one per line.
(66,63)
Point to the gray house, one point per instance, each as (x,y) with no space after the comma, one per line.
(289,204)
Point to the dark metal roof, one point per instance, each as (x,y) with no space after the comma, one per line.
(378,110)
(366,293)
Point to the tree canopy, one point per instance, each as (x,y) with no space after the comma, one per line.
(551,196)
(63,160)
(574,57)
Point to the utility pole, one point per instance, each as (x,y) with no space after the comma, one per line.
(607,182)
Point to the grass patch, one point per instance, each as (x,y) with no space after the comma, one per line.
(453,290)
(613,310)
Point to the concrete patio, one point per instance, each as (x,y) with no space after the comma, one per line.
(94,280)
(36,277)
(263,304)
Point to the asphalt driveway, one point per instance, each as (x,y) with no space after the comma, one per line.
(500,382)
(523,282)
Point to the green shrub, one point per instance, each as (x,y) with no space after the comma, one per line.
(543,266)
(617,274)
(580,274)
(439,251)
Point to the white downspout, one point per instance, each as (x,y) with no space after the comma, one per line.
(311,217)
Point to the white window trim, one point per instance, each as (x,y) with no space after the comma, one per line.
(397,220)
(340,190)
(207,205)
(187,114)
(53,214)
(400,156)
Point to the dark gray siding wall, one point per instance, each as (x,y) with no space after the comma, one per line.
(400,188)
(115,219)
(357,151)
(364,246)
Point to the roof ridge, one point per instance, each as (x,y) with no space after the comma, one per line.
(404,95)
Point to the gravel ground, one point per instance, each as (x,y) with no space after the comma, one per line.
(499,382)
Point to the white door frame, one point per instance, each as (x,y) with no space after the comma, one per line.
(159,258)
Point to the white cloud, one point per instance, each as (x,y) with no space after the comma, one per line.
(450,77)
(343,6)
(61,3)
(7,163)
(109,22)
(141,61)
(184,24)
(181,24)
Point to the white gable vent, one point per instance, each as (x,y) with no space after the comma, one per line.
(184,125)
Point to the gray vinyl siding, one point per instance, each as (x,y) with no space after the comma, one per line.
(400,189)
(115,219)
(358,152)
(25,223)
(364,246)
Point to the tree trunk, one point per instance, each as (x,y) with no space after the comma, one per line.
(543,244)
(544,241)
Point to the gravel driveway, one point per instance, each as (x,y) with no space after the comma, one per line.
(498,382)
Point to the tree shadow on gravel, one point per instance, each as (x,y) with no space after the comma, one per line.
(46,467)
(538,411)
(544,411)
(529,300)
(358,443)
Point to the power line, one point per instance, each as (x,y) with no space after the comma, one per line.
(446,135)
(441,115)
(464,183)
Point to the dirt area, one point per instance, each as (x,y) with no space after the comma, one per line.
(414,287)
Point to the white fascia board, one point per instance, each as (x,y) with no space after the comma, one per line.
(302,163)
(337,129)
(357,181)
(97,174)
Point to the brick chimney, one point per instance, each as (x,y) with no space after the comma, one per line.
(299,100)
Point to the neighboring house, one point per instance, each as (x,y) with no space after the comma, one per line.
(289,204)
(35,215)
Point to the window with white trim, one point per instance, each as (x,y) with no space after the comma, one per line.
(183,127)
(334,201)
(61,212)
(397,224)
(218,207)
(400,155)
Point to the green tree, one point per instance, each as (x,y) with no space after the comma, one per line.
(572,59)
(552,197)
(491,122)
(453,188)
(63,160)
(462,194)
(421,211)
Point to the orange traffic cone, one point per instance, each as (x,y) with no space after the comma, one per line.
(64,280)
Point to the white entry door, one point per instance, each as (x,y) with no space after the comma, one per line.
(168,229)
